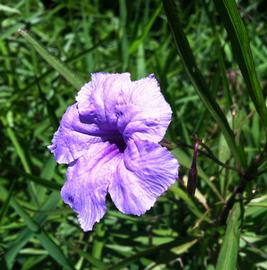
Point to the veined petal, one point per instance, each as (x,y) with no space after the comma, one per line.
(147,114)
(99,98)
(146,171)
(74,136)
(87,183)
(137,109)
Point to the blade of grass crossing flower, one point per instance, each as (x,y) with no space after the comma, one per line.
(198,80)
(229,250)
(43,237)
(70,76)
(240,43)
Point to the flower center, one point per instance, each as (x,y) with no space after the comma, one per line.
(119,141)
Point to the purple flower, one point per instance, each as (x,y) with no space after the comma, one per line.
(109,138)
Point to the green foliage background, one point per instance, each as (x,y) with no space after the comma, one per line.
(204,60)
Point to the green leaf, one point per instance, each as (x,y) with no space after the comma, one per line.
(240,43)
(256,207)
(228,254)
(198,80)
(184,247)
(62,69)
(43,237)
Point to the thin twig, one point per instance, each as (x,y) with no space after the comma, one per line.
(207,153)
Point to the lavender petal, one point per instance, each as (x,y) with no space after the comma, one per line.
(74,136)
(145,173)
(87,183)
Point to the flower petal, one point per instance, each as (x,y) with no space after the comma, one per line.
(87,183)
(74,136)
(146,171)
(98,98)
(148,114)
(136,109)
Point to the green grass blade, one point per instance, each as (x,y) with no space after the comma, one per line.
(25,234)
(98,241)
(50,110)
(198,80)
(20,152)
(95,262)
(225,82)
(41,181)
(69,60)
(23,158)
(18,244)
(43,237)
(70,76)
(173,244)
(9,9)
(189,202)
(228,254)
(4,207)
(54,250)
(123,34)
(29,221)
(145,31)
(240,43)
